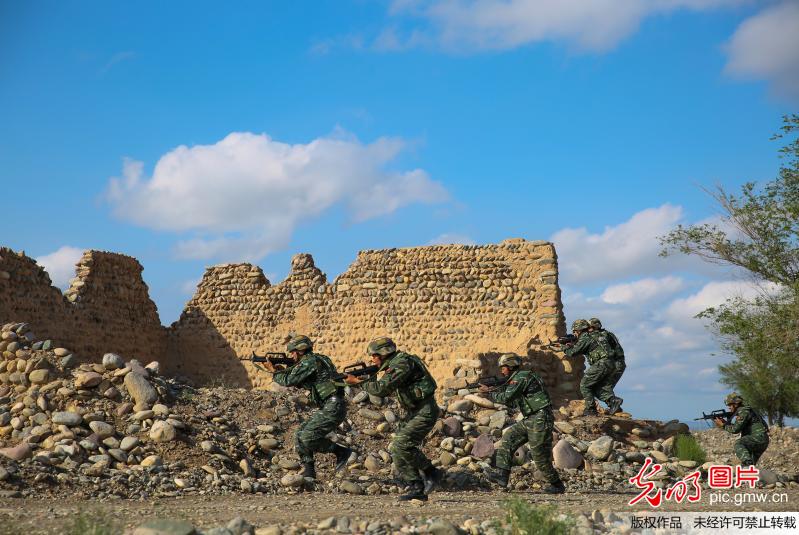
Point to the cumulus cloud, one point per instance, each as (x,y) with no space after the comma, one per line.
(628,249)
(243,196)
(451,239)
(644,290)
(588,25)
(60,264)
(766,46)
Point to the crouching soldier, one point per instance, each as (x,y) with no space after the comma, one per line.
(596,381)
(406,375)
(525,391)
(751,425)
(315,373)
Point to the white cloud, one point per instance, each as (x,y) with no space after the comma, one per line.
(451,239)
(766,46)
(713,294)
(643,290)
(243,196)
(190,286)
(60,264)
(588,25)
(628,249)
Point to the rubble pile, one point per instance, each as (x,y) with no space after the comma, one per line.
(120,429)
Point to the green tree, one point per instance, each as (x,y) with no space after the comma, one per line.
(759,232)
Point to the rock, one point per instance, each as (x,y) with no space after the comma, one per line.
(101,429)
(153,367)
(160,409)
(564,427)
(360,397)
(451,427)
(389,415)
(497,420)
(565,456)
(268,444)
(39,377)
(162,432)
(659,456)
(688,464)
(61,352)
(269,530)
(483,447)
(446,458)
(140,389)
(372,464)
(69,419)
(371,414)
(327,523)
(70,361)
(239,526)
(163,526)
(767,477)
(442,527)
(4,474)
(128,443)
(292,480)
(88,380)
(140,416)
(460,406)
(600,449)
(112,361)
(480,401)
(351,487)
(152,460)
(17,453)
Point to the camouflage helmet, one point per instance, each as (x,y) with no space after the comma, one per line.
(299,343)
(595,323)
(733,399)
(382,346)
(511,360)
(579,325)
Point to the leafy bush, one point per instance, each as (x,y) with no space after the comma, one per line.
(686,448)
(523,518)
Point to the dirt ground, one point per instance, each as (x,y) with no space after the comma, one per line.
(48,516)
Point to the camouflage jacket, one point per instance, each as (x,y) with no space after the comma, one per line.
(315,373)
(524,391)
(615,345)
(408,376)
(749,423)
(595,346)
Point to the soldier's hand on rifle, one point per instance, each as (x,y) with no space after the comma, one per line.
(719,422)
(269,366)
(485,389)
(352,380)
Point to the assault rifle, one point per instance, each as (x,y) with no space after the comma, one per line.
(491,382)
(557,345)
(721,413)
(275,358)
(357,370)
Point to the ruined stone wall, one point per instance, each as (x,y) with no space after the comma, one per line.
(456,306)
(107,307)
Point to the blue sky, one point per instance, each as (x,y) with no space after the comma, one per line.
(369,124)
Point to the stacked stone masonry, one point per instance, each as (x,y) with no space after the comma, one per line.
(456,306)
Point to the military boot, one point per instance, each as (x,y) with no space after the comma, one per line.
(590,410)
(309,470)
(415,492)
(615,405)
(499,477)
(432,478)
(555,488)
(342,456)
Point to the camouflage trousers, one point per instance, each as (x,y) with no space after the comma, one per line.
(596,382)
(613,379)
(749,449)
(536,430)
(405,448)
(311,436)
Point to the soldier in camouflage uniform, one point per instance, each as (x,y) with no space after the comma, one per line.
(619,365)
(753,428)
(597,351)
(415,387)
(315,373)
(525,391)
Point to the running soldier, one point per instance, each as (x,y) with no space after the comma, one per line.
(315,373)
(415,388)
(525,391)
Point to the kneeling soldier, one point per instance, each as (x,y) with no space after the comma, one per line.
(408,376)
(753,428)
(525,391)
(315,373)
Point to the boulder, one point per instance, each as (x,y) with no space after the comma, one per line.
(162,432)
(565,456)
(140,389)
(600,449)
(112,361)
(483,447)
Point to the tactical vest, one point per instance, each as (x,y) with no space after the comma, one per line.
(600,348)
(323,386)
(420,387)
(535,396)
(757,426)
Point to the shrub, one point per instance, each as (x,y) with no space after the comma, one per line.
(84,523)
(686,448)
(523,518)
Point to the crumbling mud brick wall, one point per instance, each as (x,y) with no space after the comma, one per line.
(107,307)
(456,306)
